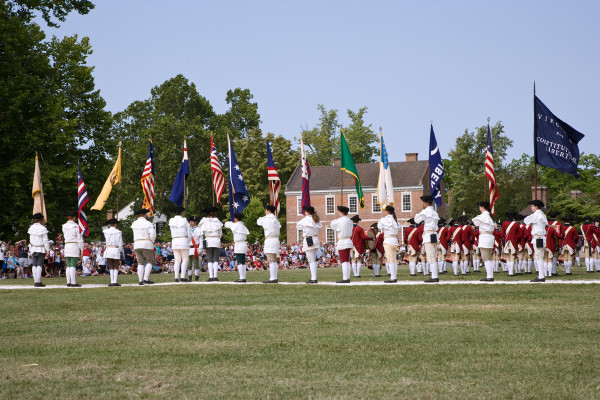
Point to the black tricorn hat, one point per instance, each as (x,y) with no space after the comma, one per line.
(389,208)
(537,203)
(374,225)
(510,214)
(210,209)
(270,207)
(191,219)
(343,209)
(411,221)
(442,221)
(112,221)
(484,204)
(355,218)
(141,211)
(553,214)
(238,216)
(567,218)
(178,209)
(519,217)
(71,214)
(309,209)
(37,216)
(427,199)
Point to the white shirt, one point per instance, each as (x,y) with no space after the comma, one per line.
(114,243)
(343,227)
(271,227)
(240,233)
(213,230)
(198,237)
(486,226)
(310,228)
(38,238)
(181,232)
(431,218)
(73,239)
(538,223)
(389,227)
(144,234)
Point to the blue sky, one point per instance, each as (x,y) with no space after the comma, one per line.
(407,61)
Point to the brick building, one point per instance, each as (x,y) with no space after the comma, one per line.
(410,178)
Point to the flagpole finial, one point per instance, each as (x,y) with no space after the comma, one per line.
(379,129)
(431,121)
(488,120)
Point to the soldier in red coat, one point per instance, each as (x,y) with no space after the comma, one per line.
(376,250)
(497,253)
(552,236)
(558,242)
(521,261)
(476,253)
(570,239)
(358,241)
(528,244)
(443,245)
(590,235)
(467,244)
(421,252)
(413,247)
(456,246)
(510,232)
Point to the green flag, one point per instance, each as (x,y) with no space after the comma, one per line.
(349,167)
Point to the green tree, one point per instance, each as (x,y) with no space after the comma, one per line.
(241,117)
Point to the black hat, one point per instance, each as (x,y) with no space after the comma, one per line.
(519,217)
(374,225)
(597,219)
(411,221)
(210,209)
(309,209)
(389,208)
(71,214)
(239,216)
(343,209)
(191,219)
(178,209)
(567,218)
(355,218)
(537,203)
(484,204)
(37,216)
(442,221)
(112,221)
(510,214)
(427,199)
(141,211)
(587,218)
(553,214)
(452,221)
(270,207)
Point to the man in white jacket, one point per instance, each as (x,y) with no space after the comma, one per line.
(40,247)
(430,219)
(73,247)
(181,237)
(271,227)
(343,226)
(240,246)
(538,222)
(486,226)
(112,249)
(144,236)
(213,230)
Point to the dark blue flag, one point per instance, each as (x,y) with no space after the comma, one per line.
(436,169)
(238,193)
(555,141)
(178,187)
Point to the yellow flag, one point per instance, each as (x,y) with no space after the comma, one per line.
(113,179)
(39,206)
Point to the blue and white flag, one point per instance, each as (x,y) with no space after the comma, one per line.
(385,187)
(436,169)
(555,141)
(238,193)
(177,194)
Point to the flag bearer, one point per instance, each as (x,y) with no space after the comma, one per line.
(486,226)
(272,228)
(538,223)
(240,247)
(343,227)
(430,219)
(112,249)
(389,226)
(40,247)
(310,226)
(213,230)
(144,236)
(181,235)
(73,247)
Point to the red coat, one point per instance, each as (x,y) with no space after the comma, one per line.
(358,239)
(552,236)
(455,237)
(513,234)
(467,237)
(571,237)
(376,243)
(554,222)
(415,240)
(498,238)
(591,234)
(443,236)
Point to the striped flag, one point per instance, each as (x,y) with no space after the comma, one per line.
(148,182)
(305,176)
(217,174)
(489,170)
(274,181)
(82,199)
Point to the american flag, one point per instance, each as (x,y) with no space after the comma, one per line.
(82,199)
(489,170)
(274,181)
(217,174)
(305,176)
(148,182)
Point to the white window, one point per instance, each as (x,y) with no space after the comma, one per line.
(299,204)
(330,205)
(402,234)
(353,204)
(406,202)
(376,206)
(330,236)
(300,236)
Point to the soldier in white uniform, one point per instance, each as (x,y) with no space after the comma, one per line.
(181,236)
(486,226)
(272,228)
(343,227)
(310,226)
(40,247)
(538,222)
(144,236)
(240,246)
(213,230)
(389,226)
(112,250)
(196,247)
(430,219)
(73,247)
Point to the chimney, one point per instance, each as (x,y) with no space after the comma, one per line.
(412,157)
(542,194)
(337,162)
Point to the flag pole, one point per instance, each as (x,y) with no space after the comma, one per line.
(118,184)
(184,182)
(484,177)
(341,173)
(535,171)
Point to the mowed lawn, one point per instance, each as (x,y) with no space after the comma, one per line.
(301,341)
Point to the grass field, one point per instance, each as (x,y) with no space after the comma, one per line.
(301,341)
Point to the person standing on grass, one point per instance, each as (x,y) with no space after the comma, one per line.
(112,249)
(358,241)
(310,226)
(213,230)
(196,247)
(376,249)
(486,226)
(412,246)
(571,237)
(443,245)
(40,247)
(538,223)
(343,227)
(272,228)
(73,247)
(144,236)
(430,219)
(510,233)
(240,247)
(181,234)
(389,226)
